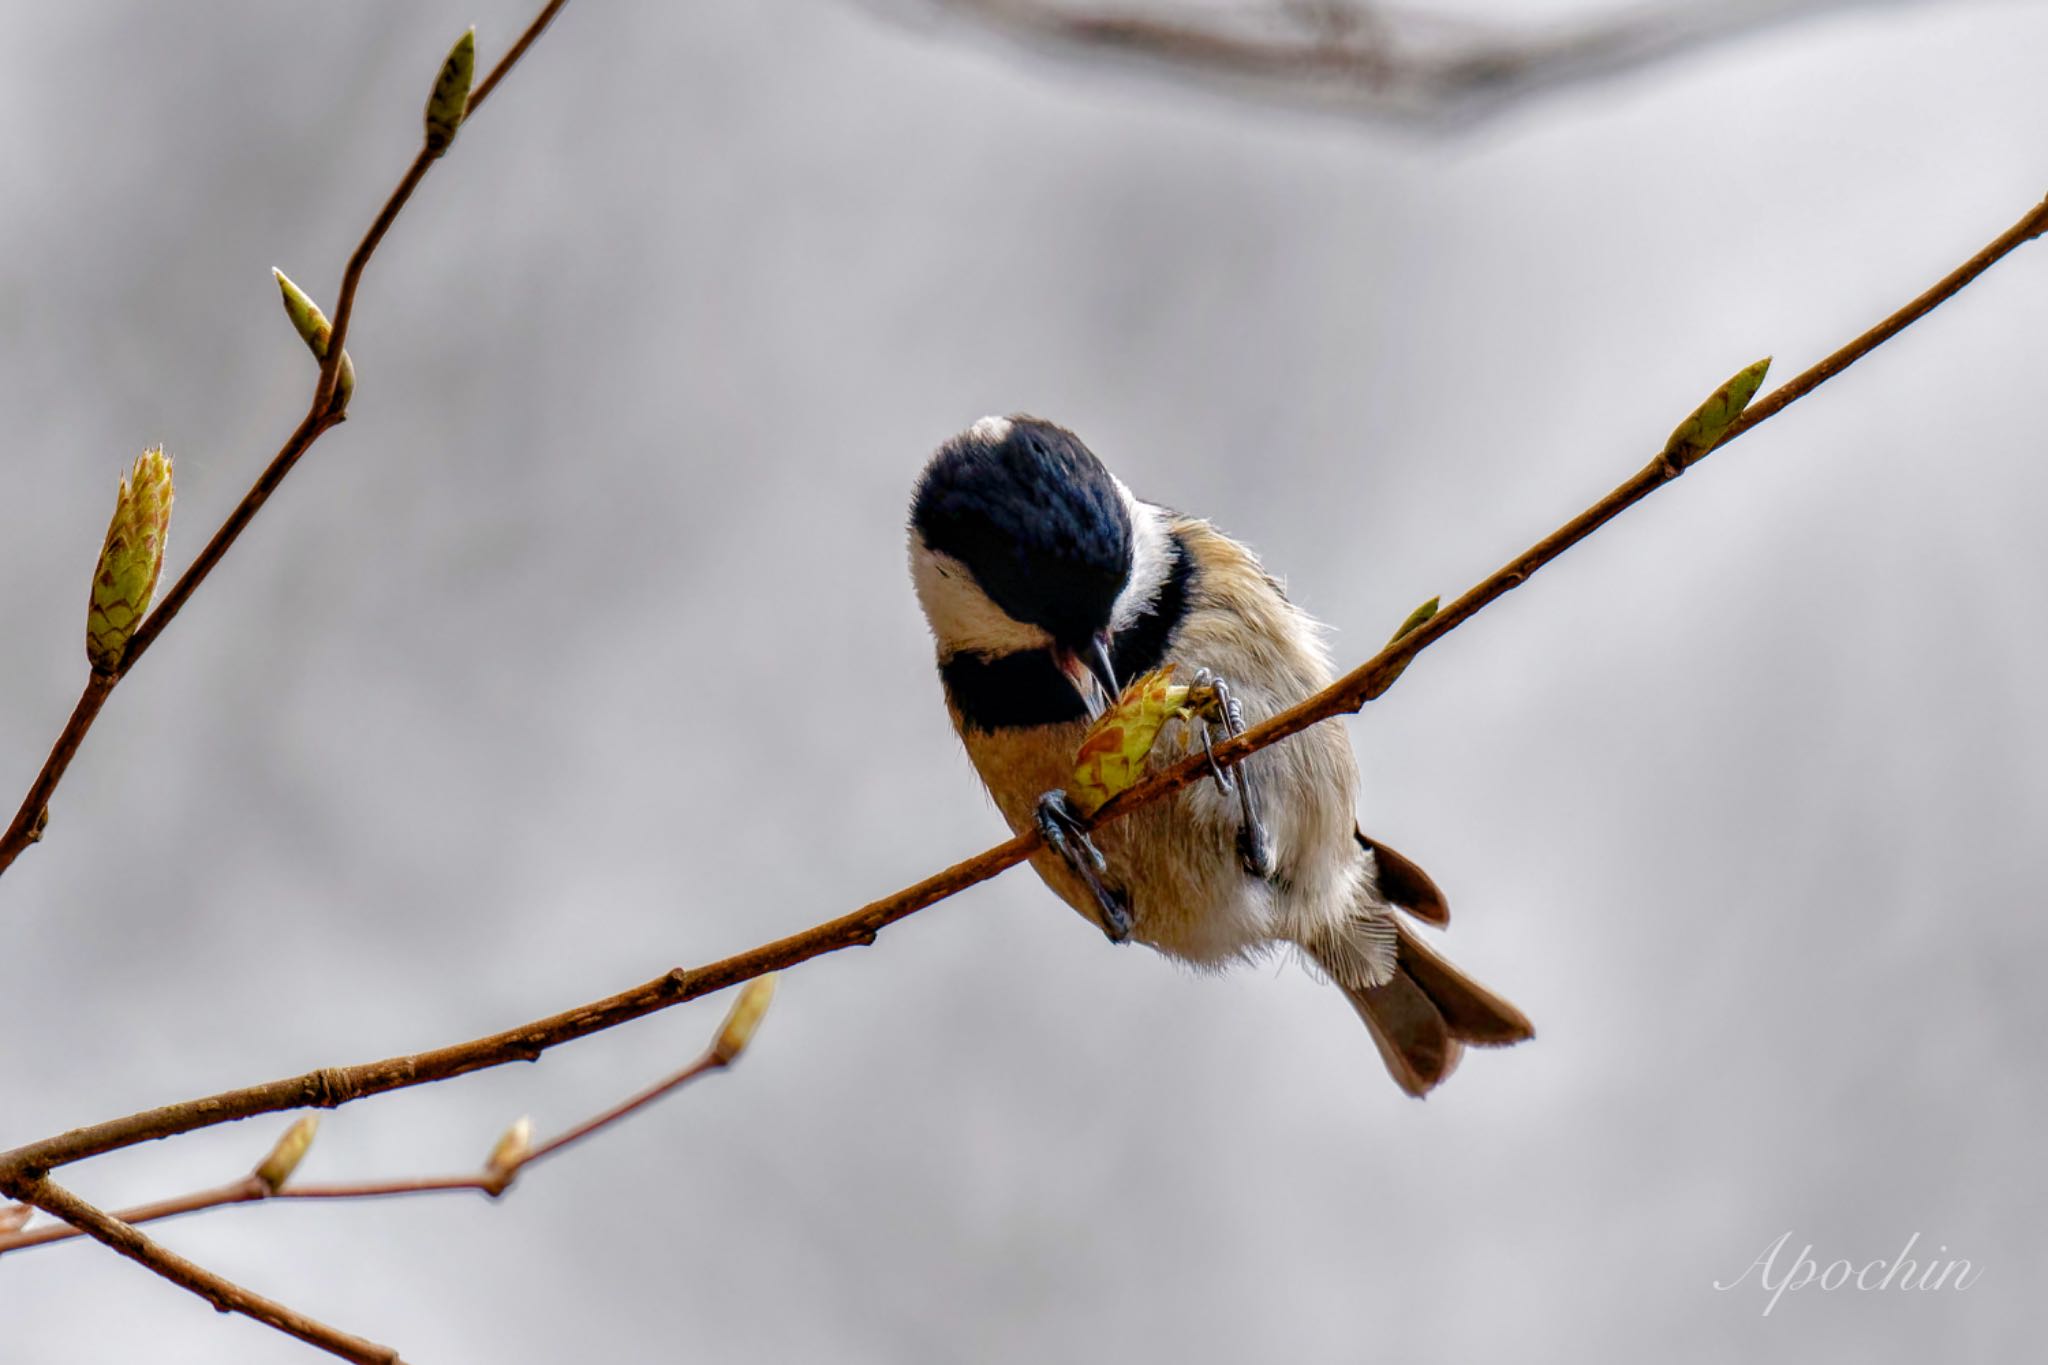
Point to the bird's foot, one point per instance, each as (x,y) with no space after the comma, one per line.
(1226,713)
(1064,834)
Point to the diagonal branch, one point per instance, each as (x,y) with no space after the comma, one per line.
(1372,678)
(223,1294)
(27,825)
(336,1086)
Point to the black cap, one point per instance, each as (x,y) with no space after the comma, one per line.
(1035,518)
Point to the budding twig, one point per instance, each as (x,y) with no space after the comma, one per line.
(513,1152)
(330,398)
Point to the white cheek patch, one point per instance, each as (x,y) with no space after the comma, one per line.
(962,618)
(1151,560)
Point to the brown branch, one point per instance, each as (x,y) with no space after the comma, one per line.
(337,1086)
(1370,679)
(344,308)
(35,807)
(247,1190)
(511,58)
(704,1065)
(27,825)
(504,1166)
(1378,60)
(223,1294)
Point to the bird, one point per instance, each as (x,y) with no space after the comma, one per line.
(1045,581)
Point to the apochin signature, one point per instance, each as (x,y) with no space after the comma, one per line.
(1871,1277)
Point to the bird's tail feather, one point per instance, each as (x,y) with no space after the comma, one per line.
(1426,1011)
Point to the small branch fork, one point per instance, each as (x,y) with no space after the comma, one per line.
(341,1085)
(321,416)
(513,1153)
(224,1295)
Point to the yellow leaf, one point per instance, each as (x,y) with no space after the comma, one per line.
(1113,752)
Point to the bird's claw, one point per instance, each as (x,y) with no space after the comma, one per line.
(1254,844)
(1063,834)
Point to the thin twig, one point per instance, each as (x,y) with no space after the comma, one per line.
(337,1086)
(492,1179)
(251,1189)
(244,1191)
(704,1065)
(533,31)
(27,825)
(352,278)
(35,807)
(223,1294)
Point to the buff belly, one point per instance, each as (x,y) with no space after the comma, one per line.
(1176,859)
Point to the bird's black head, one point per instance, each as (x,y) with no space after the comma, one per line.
(1035,518)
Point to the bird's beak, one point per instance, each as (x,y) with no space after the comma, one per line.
(1097,660)
(1091,673)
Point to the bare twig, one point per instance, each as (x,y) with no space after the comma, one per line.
(506,1162)
(1378,60)
(247,1190)
(527,39)
(223,1294)
(337,1086)
(705,1064)
(321,416)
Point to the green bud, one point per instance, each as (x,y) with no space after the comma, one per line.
(315,330)
(1702,431)
(450,100)
(1415,618)
(290,1150)
(130,560)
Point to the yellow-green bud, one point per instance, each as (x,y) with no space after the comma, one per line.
(1702,431)
(1415,619)
(130,560)
(450,100)
(290,1150)
(316,331)
(743,1019)
(510,1150)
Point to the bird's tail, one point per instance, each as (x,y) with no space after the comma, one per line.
(1423,1012)
(1422,1016)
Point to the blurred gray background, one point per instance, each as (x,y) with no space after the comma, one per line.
(586,649)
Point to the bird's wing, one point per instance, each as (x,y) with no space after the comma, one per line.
(1404,884)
